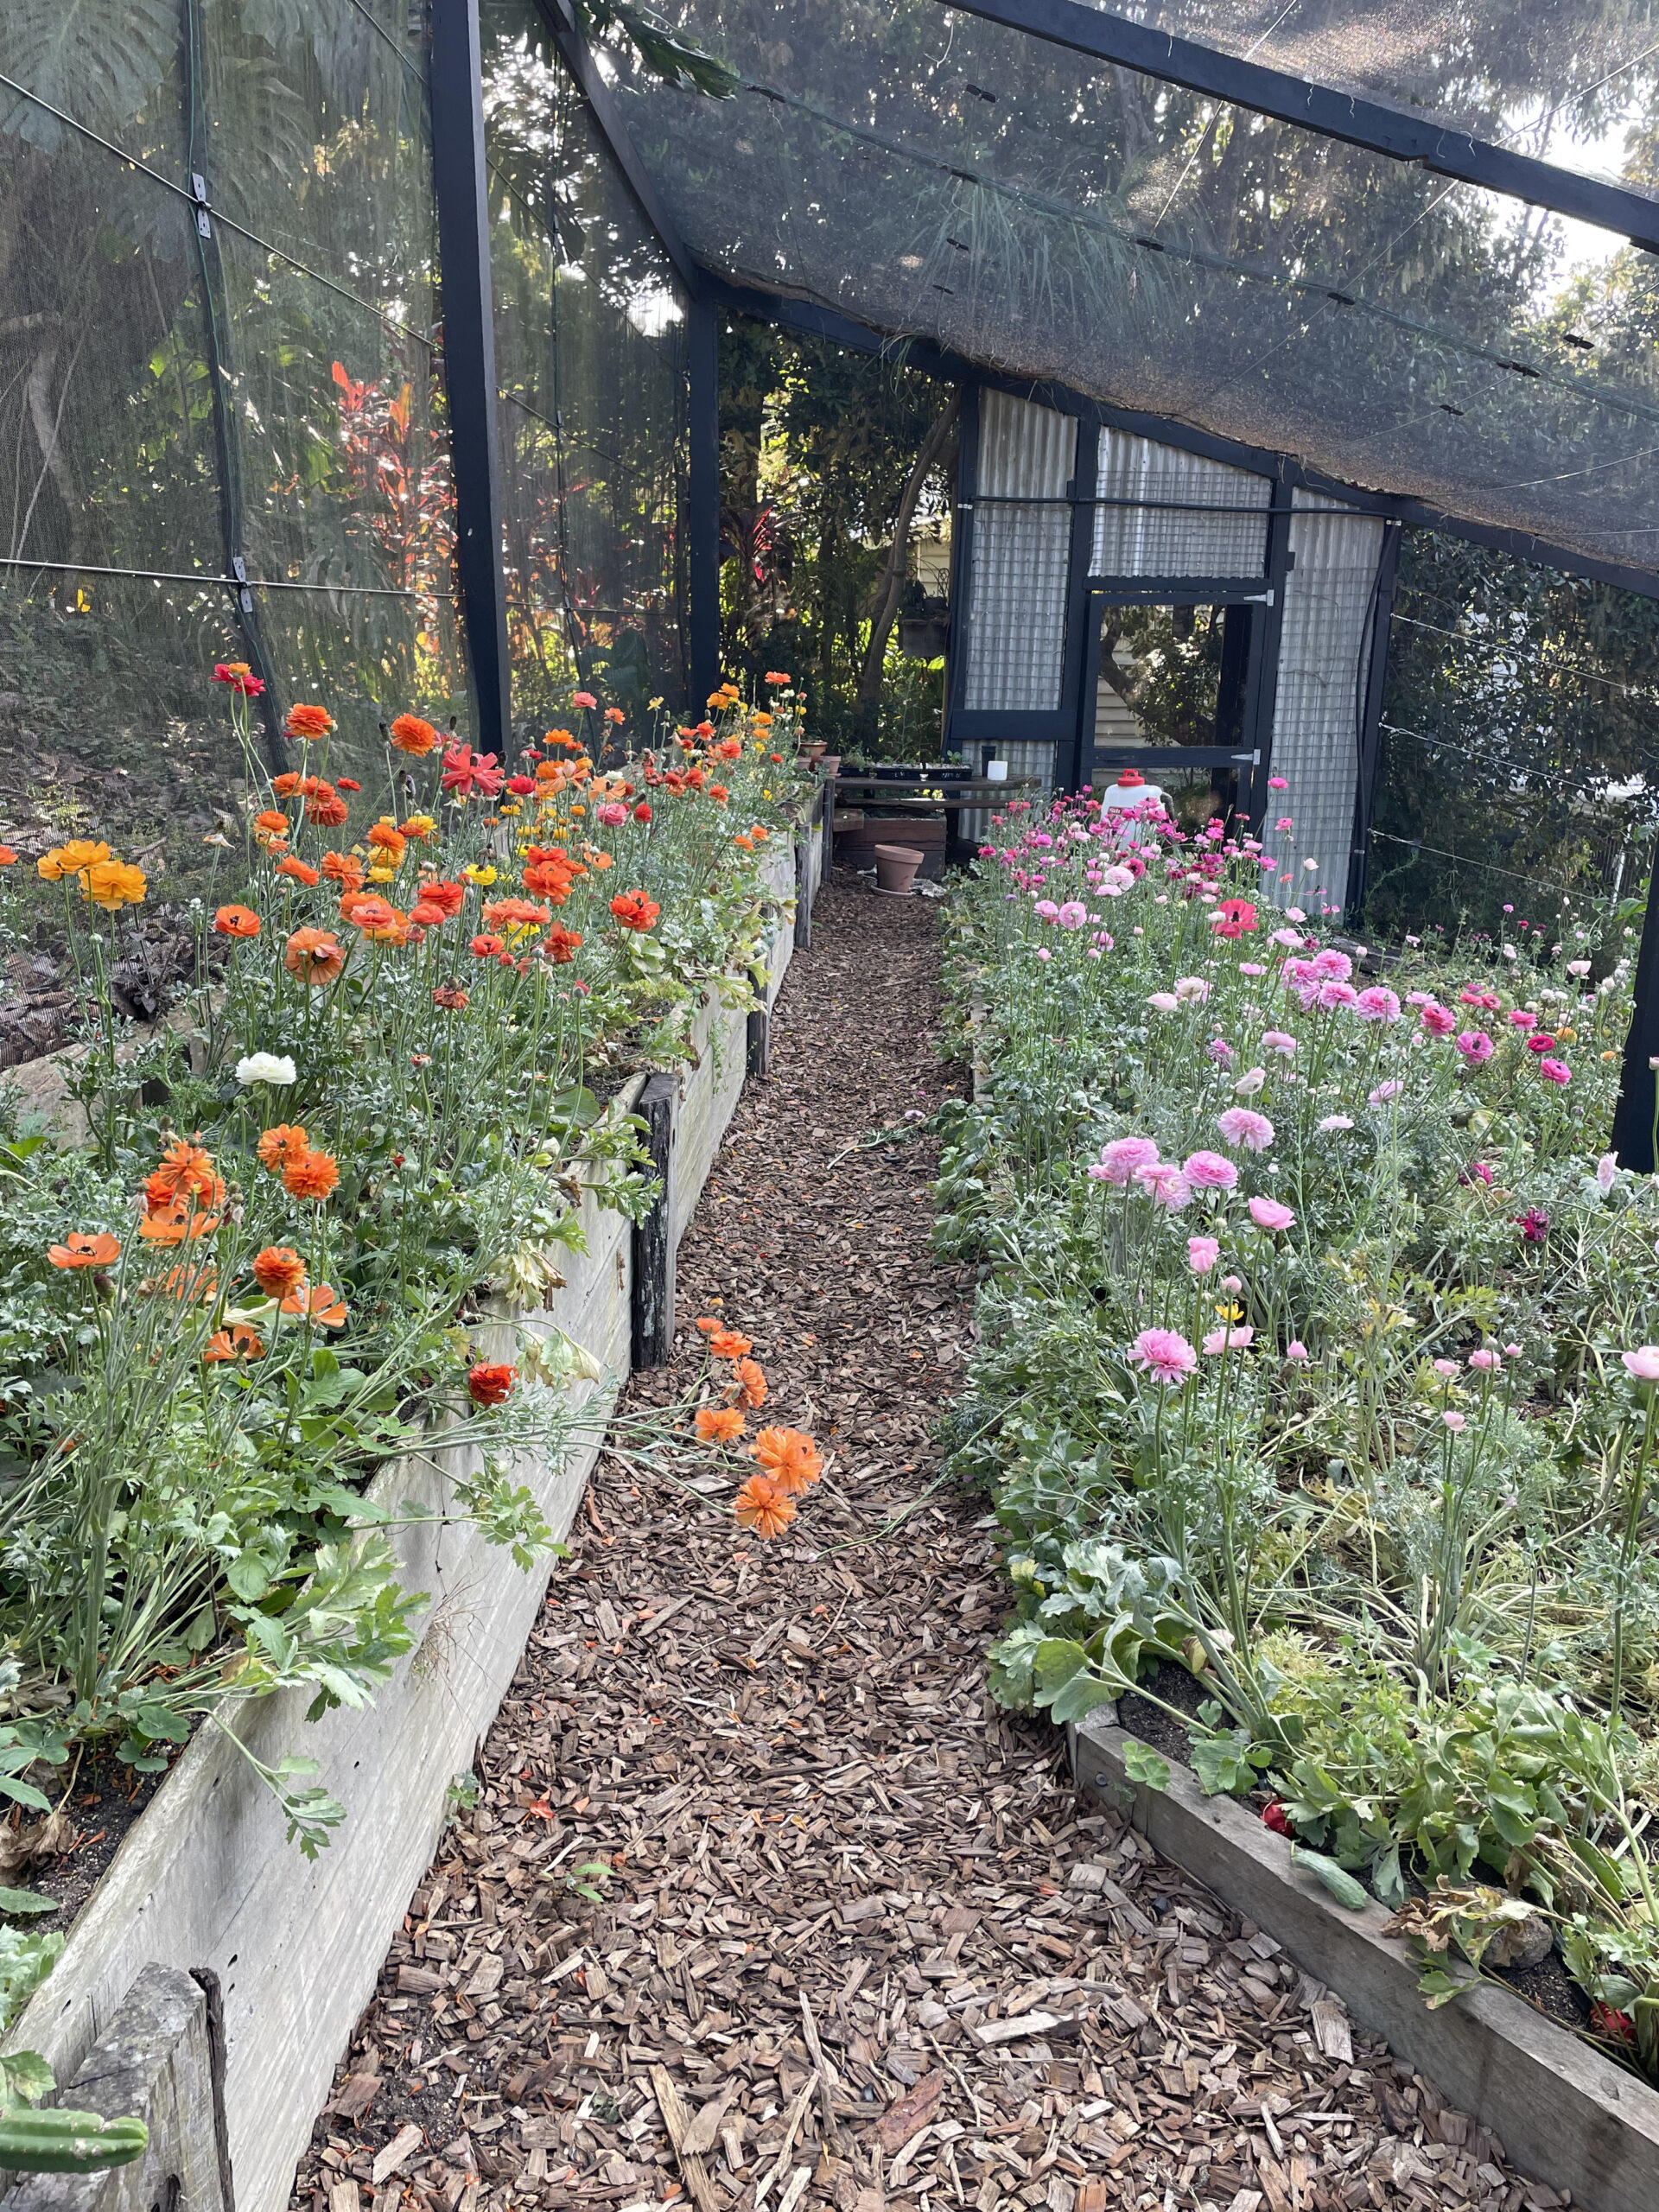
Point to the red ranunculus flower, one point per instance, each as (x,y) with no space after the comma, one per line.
(490,1386)
(634,911)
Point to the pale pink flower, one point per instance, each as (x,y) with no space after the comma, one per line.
(1191,990)
(1446,1367)
(1165,1185)
(1202,1253)
(1280,1042)
(1268,1213)
(1606,1171)
(1073,915)
(1043,952)
(1332,1123)
(1511,1351)
(1250,1082)
(1295,914)
(1124,1157)
(1455,1422)
(1229,1340)
(612,814)
(1286,937)
(1208,1171)
(1475,1046)
(1485,1360)
(1241,1125)
(1164,1353)
(1296,1348)
(1643,1363)
(1231,1285)
(1164,1002)
(1045,910)
(1251,968)
(1438,1020)
(1377,1004)
(1385,1091)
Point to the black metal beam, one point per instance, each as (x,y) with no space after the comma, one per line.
(962,568)
(1401,133)
(813,320)
(1077,666)
(1371,718)
(1633,1117)
(462,195)
(702,520)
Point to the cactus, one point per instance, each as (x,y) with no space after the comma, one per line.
(67,2142)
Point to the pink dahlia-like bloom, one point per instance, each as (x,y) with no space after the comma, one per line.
(1330,963)
(1280,1042)
(1045,910)
(1485,1361)
(1333,992)
(1208,1171)
(1165,1185)
(1244,1125)
(1229,1340)
(1455,1422)
(1124,1157)
(1520,1018)
(1164,1354)
(1446,1367)
(1073,915)
(1377,1004)
(1268,1213)
(1296,1350)
(1384,1092)
(1475,1046)
(1202,1253)
(613,813)
(1643,1363)
(1555,1071)
(1438,1020)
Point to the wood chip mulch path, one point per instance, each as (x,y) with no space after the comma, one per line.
(860,1945)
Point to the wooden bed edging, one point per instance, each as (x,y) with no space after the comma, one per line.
(205,1880)
(1566,2114)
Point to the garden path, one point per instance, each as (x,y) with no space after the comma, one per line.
(823,1834)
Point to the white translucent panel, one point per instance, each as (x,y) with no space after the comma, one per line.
(1171,528)
(1016,624)
(1025,756)
(1324,654)
(1026,452)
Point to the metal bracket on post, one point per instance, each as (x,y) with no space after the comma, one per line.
(653,1237)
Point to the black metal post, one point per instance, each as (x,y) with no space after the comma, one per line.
(653,1237)
(1633,1117)
(1371,716)
(962,564)
(1074,758)
(1263,681)
(702,523)
(469,358)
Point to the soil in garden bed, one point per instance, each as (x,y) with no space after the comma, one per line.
(819,1833)
(106,1799)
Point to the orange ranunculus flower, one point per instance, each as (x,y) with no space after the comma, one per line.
(550,880)
(8,858)
(727,1344)
(761,1505)
(323,1307)
(273,823)
(719,793)
(288,782)
(451,998)
(410,734)
(426,916)
(719,1424)
(85,1249)
(746,844)
(301,871)
(178,1224)
(376,917)
(751,1382)
(730,748)
(238,1342)
(195,1279)
(308,722)
(314,956)
(708,1324)
(488,948)
(789,1458)
(236,921)
(559,737)
(563,945)
(328,811)
(288,1140)
(451,897)
(758,831)
(310,1175)
(71,859)
(113,885)
(418,826)
(490,1386)
(598,861)
(187,1172)
(278,1270)
(515,914)
(343,868)
(388,837)
(634,911)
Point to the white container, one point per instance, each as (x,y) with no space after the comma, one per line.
(996,772)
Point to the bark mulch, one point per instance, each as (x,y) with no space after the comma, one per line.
(857,1943)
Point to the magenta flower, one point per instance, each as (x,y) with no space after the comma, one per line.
(1534,1224)
(1377,1004)
(1229,1340)
(1164,1354)
(1475,1046)
(1268,1213)
(1476,1170)
(1124,1157)
(1555,1071)
(1278,784)
(1243,1125)
(1643,1363)
(1541,1041)
(1208,1171)
(1202,1253)
(1438,1020)
(1219,1050)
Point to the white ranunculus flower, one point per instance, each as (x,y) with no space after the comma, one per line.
(1250,1082)
(265,1067)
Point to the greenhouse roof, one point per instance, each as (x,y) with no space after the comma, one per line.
(1451,312)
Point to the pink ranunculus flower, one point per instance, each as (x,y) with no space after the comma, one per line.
(1165,1185)
(1045,910)
(1485,1360)
(1238,1339)
(1384,1092)
(583,699)
(1333,992)
(1606,1172)
(1073,915)
(1269,1214)
(1520,1018)
(1164,1354)
(1333,1122)
(1290,938)
(1330,963)
(1243,1125)
(1209,1171)
(613,813)
(1220,1051)
(1555,1071)
(1164,1002)
(1043,952)
(1377,1004)
(1437,1020)
(1296,1350)
(1446,1367)
(1124,1157)
(1280,1042)
(1643,1363)
(1455,1422)
(1475,1046)
(1192,990)
(1202,1253)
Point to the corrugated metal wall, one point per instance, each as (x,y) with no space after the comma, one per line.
(1016,636)
(1159,539)
(1025,756)
(1323,648)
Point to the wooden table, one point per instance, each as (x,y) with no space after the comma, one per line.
(964,796)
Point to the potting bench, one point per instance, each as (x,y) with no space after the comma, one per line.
(922,799)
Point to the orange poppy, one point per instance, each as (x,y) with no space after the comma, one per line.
(322,1306)
(196,1279)
(719,1424)
(236,921)
(367,910)
(8,858)
(450,997)
(491,1385)
(515,914)
(308,722)
(85,1249)
(451,897)
(238,1342)
(280,1145)
(751,1382)
(426,916)
(314,956)
(312,1175)
(187,1172)
(301,871)
(278,1270)
(761,1505)
(410,734)
(789,1459)
(727,1344)
(343,868)
(550,880)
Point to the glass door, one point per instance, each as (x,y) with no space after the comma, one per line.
(1165,692)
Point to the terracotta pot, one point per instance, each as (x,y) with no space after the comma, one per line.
(829,763)
(895,869)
